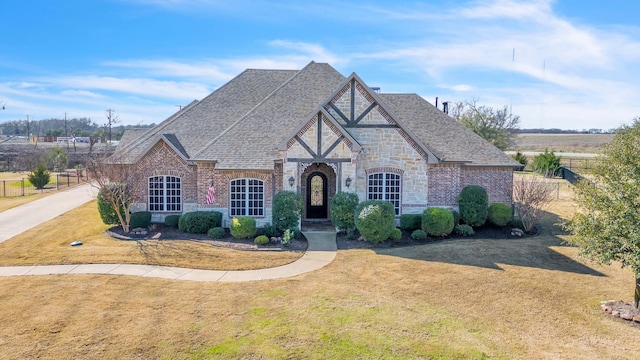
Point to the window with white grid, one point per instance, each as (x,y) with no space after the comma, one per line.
(387,187)
(165,193)
(247,197)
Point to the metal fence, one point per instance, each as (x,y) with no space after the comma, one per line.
(58,181)
(580,165)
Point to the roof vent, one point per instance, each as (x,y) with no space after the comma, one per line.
(376,89)
(445,107)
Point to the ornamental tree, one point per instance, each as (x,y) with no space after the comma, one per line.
(606,227)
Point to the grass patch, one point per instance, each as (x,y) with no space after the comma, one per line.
(475,298)
(49,244)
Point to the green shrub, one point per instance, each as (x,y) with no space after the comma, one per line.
(171,220)
(269,230)
(463,230)
(473,203)
(40,176)
(199,222)
(517,223)
(105,209)
(343,205)
(375,219)
(521,158)
(286,238)
(286,209)
(140,219)
(456,217)
(500,214)
(243,227)
(410,221)
(261,240)
(419,235)
(437,221)
(547,164)
(396,234)
(216,233)
(295,233)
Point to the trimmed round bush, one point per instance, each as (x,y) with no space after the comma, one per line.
(375,220)
(419,235)
(437,222)
(343,206)
(410,221)
(105,209)
(286,209)
(243,227)
(140,219)
(199,222)
(396,234)
(500,214)
(261,240)
(171,220)
(463,230)
(473,203)
(269,230)
(216,233)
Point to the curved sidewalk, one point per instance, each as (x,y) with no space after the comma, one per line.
(321,251)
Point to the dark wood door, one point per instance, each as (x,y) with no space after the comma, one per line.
(317,196)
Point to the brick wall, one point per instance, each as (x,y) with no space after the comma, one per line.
(447,181)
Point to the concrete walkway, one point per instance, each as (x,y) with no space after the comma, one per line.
(22,218)
(321,249)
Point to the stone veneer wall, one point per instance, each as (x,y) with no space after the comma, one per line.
(387,149)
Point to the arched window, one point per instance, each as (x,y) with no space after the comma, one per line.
(387,187)
(165,193)
(246,197)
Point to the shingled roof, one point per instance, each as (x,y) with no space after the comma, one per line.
(447,139)
(240,125)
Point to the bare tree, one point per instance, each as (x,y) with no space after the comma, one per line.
(118,185)
(530,195)
(496,126)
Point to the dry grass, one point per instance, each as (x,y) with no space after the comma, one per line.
(49,244)
(464,299)
(587,143)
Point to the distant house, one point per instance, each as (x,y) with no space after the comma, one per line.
(313,131)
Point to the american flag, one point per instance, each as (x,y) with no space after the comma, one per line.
(211,193)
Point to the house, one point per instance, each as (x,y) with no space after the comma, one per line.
(313,131)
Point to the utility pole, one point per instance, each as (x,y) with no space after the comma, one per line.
(65,125)
(28,132)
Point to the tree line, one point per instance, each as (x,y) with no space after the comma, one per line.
(78,127)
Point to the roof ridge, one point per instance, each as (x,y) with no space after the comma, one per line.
(243,117)
(156,129)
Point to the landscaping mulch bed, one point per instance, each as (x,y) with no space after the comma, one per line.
(162,232)
(484,232)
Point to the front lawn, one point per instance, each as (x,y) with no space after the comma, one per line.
(474,298)
(49,244)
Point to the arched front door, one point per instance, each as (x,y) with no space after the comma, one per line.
(317,196)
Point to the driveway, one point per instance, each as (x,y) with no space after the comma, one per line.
(22,218)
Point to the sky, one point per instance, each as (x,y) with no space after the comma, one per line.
(569,64)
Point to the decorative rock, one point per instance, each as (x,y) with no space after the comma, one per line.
(606,308)
(636,318)
(615,313)
(517,232)
(626,315)
(76,243)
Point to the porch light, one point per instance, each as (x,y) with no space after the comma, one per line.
(347,182)
(291,181)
